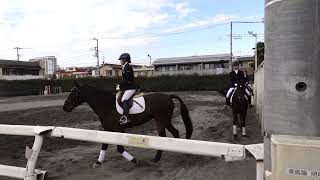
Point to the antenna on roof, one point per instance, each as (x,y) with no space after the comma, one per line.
(18,55)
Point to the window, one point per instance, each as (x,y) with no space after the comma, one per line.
(172,68)
(195,67)
(188,67)
(218,65)
(185,67)
(116,72)
(109,73)
(180,67)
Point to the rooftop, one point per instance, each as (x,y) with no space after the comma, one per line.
(115,66)
(193,59)
(245,58)
(18,64)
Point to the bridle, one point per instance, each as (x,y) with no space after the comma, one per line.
(75,92)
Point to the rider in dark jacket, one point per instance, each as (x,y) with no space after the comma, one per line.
(235,76)
(127,85)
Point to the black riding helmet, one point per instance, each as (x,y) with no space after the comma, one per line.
(126,57)
(236,63)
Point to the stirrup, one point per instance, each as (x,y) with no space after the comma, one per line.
(124,120)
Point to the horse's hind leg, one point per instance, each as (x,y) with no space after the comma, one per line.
(102,155)
(125,154)
(162,133)
(173,131)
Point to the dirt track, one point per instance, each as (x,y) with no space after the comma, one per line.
(66,159)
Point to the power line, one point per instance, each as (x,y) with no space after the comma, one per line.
(167,33)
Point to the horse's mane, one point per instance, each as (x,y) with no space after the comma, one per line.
(98,92)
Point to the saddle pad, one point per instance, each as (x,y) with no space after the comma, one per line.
(232,93)
(138,106)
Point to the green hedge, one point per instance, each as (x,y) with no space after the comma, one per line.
(157,83)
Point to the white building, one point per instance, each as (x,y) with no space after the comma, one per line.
(143,71)
(20,70)
(48,63)
(202,65)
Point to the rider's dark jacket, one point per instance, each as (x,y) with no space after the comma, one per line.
(236,77)
(127,78)
(246,78)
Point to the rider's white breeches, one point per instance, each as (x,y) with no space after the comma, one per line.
(128,94)
(229,92)
(231,89)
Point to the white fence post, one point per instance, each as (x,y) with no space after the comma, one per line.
(32,156)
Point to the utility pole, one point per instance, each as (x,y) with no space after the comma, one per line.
(96,49)
(230,63)
(255,35)
(18,55)
(231,35)
(150,64)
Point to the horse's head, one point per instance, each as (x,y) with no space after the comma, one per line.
(74,99)
(241,89)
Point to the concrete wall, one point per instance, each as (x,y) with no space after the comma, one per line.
(259,91)
(292,70)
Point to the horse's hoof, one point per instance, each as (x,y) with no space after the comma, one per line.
(137,163)
(96,164)
(155,160)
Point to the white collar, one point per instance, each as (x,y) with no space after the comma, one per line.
(124,65)
(236,71)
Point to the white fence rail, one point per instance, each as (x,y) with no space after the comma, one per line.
(195,147)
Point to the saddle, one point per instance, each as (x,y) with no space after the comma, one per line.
(247,94)
(136,103)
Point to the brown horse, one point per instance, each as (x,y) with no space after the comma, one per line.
(159,107)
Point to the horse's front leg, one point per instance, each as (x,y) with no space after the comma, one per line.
(235,123)
(101,157)
(243,122)
(126,155)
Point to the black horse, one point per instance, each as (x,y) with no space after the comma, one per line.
(239,108)
(159,107)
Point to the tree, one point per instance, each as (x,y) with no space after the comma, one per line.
(260,52)
(260,56)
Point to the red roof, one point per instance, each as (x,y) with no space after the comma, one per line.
(115,66)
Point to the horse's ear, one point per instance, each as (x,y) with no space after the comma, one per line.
(76,83)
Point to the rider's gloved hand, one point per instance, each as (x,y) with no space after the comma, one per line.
(117,87)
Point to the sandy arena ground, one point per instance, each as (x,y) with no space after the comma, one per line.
(72,160)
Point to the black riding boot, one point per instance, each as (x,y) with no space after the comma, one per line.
(227,103)
(125,118)
(249,101)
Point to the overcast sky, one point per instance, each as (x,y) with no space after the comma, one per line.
(161,28)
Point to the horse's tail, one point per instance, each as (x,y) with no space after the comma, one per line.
(185,116)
